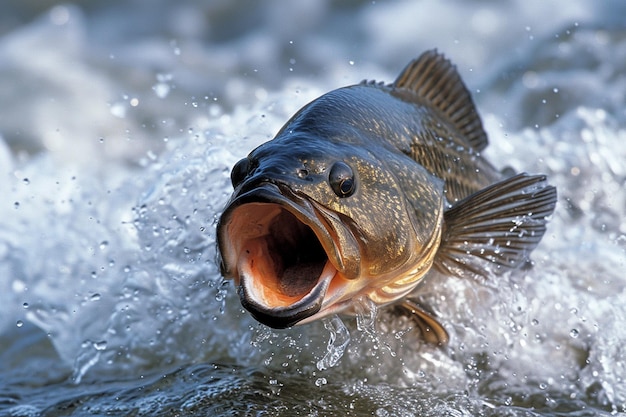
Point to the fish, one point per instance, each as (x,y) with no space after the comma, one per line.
(369,190)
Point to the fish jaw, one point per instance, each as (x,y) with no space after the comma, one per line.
(280,252)
(274,310)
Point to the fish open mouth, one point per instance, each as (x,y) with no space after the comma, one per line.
(270,247)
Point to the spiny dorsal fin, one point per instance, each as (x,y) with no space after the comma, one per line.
(435,78)
(501,224)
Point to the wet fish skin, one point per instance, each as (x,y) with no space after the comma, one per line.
(364,190)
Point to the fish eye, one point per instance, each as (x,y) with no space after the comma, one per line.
(341,179)
(240,171)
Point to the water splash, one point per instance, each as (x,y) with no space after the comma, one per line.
(89,356)
(339,339)
(366,313)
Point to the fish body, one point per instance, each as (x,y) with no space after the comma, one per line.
(364,191)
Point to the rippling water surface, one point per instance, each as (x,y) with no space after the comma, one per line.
(119,124)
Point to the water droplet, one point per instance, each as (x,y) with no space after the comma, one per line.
(19,323)
(101,345)
(320,381)
(381,412)
(26,181)
(118,110)
(96,297)
(337,343)
(574,333)
(161,90)
(25,305)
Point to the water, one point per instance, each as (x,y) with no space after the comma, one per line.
(119,124)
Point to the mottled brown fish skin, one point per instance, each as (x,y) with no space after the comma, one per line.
(364,190)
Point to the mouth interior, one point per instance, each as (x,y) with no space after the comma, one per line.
(280,255)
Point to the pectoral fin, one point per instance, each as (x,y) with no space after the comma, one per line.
(502,224)
(432,331)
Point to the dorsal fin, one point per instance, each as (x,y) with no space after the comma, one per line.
(435,78)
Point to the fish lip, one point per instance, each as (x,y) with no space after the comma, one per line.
(305,212)
(284,317)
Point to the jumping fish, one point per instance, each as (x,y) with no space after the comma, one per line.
(364,191)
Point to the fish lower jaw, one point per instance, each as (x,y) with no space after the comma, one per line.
(343,295)
(277,310)
(344,306)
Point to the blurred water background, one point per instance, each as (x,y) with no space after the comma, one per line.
(119,123)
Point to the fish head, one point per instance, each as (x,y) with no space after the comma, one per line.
(311,226)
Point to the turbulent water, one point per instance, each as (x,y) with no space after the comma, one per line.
(119,124)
